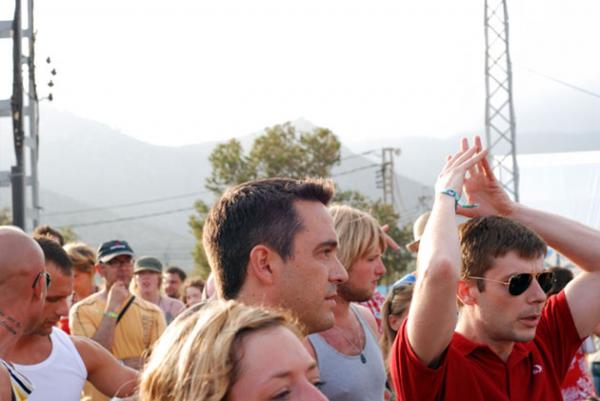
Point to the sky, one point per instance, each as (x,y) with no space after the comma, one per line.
(189,71)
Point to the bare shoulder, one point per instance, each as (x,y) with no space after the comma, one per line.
(88,349)
(366,314)
(309,347)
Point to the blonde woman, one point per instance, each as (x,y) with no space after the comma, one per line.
(227,351)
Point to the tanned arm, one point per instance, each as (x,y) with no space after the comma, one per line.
(105,371)
(433,311)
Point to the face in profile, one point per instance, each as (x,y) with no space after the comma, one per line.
(289,373)
(57,299)
(310,276)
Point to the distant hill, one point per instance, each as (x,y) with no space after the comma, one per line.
(108,185)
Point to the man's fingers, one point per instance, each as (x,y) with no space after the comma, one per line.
(391,243)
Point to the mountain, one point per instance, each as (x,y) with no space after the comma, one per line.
(107,185)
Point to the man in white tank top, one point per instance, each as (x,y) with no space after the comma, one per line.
(57,364)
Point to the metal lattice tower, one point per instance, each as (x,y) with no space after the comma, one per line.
(499,109)
(22,108)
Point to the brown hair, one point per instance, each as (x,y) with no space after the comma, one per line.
(196,282)
(396,303)
(484,239)
(82,256)
(253,213)
(198,357)
(45,231)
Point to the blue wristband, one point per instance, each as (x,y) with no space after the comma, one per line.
(452,193)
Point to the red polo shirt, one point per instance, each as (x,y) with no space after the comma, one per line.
(471,372)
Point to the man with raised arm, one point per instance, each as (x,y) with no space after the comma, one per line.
(507,342)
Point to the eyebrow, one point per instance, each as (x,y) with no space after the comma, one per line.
(285,373)
(330,243)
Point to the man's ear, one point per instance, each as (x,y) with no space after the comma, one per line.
(467,292)
(262,264)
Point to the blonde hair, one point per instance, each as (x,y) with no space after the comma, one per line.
(358,233)
(82,256)
(198,356)
(396,303)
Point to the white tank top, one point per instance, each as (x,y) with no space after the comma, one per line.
(61,376)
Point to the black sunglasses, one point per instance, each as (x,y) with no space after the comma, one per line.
(37,278)
(519,283)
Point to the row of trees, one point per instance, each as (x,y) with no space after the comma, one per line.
(283,151)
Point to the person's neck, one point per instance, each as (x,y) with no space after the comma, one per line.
(151,296)
(10,330)
(471,329)
(86,290)
(341,310)
(31,350)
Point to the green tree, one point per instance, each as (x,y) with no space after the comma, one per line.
(283,151)
(68,234)
(5,217)
(196,223)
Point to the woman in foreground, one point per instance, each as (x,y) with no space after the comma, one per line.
(227,351)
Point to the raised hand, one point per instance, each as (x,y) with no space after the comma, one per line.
(483,189)
(116,296)
(453,173)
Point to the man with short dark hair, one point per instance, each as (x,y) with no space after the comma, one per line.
(272,242)
(507,342)
(173,281)
(59,365)
(122,323)
(23,286)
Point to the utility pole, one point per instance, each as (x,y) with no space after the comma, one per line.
(499,110)
(385,176)
(18,107)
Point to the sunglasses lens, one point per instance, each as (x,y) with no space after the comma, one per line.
(546,281)
(519,283)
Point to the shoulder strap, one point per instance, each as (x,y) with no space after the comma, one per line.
(127,305)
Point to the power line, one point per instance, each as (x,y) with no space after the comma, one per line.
(367,152)
(143,202)
(128,218)
(356,169)
(560,81)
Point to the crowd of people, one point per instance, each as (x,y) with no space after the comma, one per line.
(291,309)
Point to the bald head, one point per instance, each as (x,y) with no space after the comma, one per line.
(22,285)
(20,255)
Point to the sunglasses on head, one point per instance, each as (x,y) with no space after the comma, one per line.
(46,277)
(519,283)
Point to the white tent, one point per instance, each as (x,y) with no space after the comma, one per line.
(563,183)
(567,184)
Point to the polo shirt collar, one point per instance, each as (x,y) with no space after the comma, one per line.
(466,347)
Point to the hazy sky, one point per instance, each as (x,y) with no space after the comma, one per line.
(187,71)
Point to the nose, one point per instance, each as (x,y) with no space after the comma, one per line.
(535,294)
(312,393)
(337,272)
(380,268)
(63,308)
